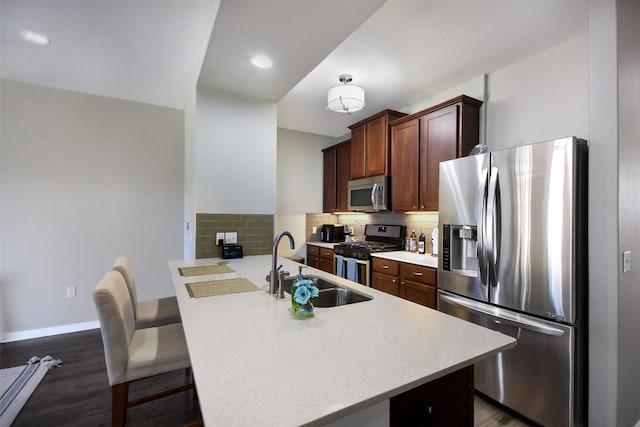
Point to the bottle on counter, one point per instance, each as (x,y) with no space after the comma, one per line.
(413,241)
(407,244)
(421,243)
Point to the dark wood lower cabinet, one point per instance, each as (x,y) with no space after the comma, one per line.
(313,256)
(412,282)
(320,258)
(385,283)
(446,402)
(420,294)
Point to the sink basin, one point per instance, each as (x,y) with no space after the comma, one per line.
(339,296)
(331,293)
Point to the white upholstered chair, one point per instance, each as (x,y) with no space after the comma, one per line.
(132,354)
(149,313)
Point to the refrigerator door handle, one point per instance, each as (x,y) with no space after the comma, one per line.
(482,238)
(501,316)
(493,225)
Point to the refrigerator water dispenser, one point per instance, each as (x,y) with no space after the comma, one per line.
(460,249)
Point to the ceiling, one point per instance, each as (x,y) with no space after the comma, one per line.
(400,51)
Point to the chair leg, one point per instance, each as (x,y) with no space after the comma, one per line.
(119,398)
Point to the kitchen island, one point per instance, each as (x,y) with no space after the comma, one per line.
(254,364)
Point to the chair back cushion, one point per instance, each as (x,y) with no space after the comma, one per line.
(122,265)
(117,323)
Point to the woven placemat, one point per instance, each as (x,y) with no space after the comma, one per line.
(220,287)
(205,269)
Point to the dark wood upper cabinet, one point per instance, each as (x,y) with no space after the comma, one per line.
(437,132)
(420,141)
(336,175)
(405,165)
(370,145)
(329,201)
(358,169)
(343,174)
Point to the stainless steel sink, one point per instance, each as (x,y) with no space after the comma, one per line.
(331,293)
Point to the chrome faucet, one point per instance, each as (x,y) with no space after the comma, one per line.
(273,274)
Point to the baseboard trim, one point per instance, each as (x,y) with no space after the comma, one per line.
(45,332)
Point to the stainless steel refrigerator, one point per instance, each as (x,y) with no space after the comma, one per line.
(513,239)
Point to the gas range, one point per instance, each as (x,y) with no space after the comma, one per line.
(378,238)
(363,250)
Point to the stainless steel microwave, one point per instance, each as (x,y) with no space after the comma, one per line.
(369,194)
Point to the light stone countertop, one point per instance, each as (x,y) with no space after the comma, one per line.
(324,244)
(255,365)
(410,257)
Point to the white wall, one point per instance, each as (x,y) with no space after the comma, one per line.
(474,88)
(235,154)
(84,179)
(629,202)
(603,215)
(543,97)
(300,182)
(189,239)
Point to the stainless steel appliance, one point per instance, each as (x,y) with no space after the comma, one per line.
(513,248)
(378,238)
(368,194)
(332,233)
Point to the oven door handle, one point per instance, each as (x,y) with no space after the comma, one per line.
(365,263)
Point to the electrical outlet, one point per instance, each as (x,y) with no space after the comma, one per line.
(314,230)
(231,237)
(219,238)
(71,291)
(626,261)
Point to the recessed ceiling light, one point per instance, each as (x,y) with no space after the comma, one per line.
(262,61)
(35,38)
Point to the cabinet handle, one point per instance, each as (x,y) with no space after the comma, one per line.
(386,267)
(422,207)
(415,273)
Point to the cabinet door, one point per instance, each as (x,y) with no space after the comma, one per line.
(377,147)
(438,142)
(418,293)
(357,152)
(446,401)
(326,265)
(343,174)
(384,283)
(329,201)
(313,261)
(404,166)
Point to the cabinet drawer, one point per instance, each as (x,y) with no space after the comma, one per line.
(385,266)
(418,293)
(326,253)
(418,273)
(384,283)
(313,250)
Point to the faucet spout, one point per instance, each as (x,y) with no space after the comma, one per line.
(273,274)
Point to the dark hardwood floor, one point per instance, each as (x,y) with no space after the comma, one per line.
(78,393)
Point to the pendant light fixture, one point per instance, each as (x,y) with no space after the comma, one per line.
(345,98)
